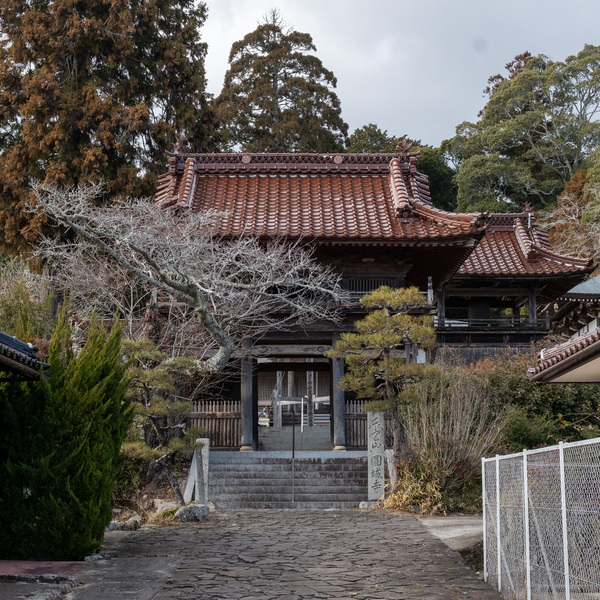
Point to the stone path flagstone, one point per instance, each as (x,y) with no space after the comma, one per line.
(279,554)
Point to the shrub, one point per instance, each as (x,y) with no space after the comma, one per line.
(543,414)
(448,429)
(60,442)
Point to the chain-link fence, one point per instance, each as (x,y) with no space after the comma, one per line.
(541,520)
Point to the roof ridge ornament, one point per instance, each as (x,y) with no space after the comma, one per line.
(181,144)
(404,145)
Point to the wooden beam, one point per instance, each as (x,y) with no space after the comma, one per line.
(524,292)
(296,367)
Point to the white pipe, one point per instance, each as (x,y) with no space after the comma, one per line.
(563,502)
(526,523)
(485,572)
(498,547)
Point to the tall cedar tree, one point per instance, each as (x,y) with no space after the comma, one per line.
(376,368)
(96,89)
(538,128)
(277,97)
(60,441)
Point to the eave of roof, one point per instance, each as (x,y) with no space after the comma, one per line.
(356,199)
(18,357)
(586,291)
(575,361)
(514,246)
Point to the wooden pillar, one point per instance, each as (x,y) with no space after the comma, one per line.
(532,307)
(441,307)
(277,414)
(247,404)
(310,386)
(339,405)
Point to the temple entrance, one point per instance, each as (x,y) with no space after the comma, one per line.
(294,393)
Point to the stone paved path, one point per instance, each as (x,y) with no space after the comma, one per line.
(292,555)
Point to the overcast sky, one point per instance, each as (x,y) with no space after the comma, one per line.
(415,67)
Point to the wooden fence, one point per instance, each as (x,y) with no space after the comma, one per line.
(221,421)
(356,425)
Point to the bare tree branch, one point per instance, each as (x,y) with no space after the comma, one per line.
(235,288)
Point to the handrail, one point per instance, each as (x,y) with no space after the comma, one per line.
(493,323)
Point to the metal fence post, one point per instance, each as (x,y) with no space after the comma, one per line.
(485,571)
(563,501)
(498,548)
(526,524)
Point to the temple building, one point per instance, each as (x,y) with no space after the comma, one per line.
(371,218)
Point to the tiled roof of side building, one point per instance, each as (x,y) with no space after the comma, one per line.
(513,245)
(18,357)
(559,359)
(341,198)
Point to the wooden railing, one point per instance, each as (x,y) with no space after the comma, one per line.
(499,323)
(221,421)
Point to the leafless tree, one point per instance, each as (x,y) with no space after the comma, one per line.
(574,225)
(234,288)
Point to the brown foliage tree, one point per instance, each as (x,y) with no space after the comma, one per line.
(94,90)
(277,97)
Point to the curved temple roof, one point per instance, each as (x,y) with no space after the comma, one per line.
(356,199)
(514,246)
(339,198)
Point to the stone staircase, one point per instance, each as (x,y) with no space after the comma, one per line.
(321,479)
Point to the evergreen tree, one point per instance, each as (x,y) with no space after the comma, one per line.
(97,89)
(376,369)
(370,139)
(538,128)
(60,442)
(277,97)
(432,161)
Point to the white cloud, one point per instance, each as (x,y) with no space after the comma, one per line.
(411,67)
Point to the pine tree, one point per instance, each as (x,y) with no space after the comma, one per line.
(277,97)
(97,89)
(58,472)
(376,354)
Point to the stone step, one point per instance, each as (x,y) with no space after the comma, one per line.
(260,480)
(274,470)
(317,456)
(284,488)
(286,497)
(292,505)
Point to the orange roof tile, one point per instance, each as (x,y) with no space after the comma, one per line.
(512,245)
(341,198)
(377,199)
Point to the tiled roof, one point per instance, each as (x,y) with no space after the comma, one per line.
(563,357)
(512,245)
(17,356)
(341,198)
(378,199)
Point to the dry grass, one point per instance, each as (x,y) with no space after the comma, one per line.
(449,428)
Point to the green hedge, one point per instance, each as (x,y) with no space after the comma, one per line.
(60,441)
